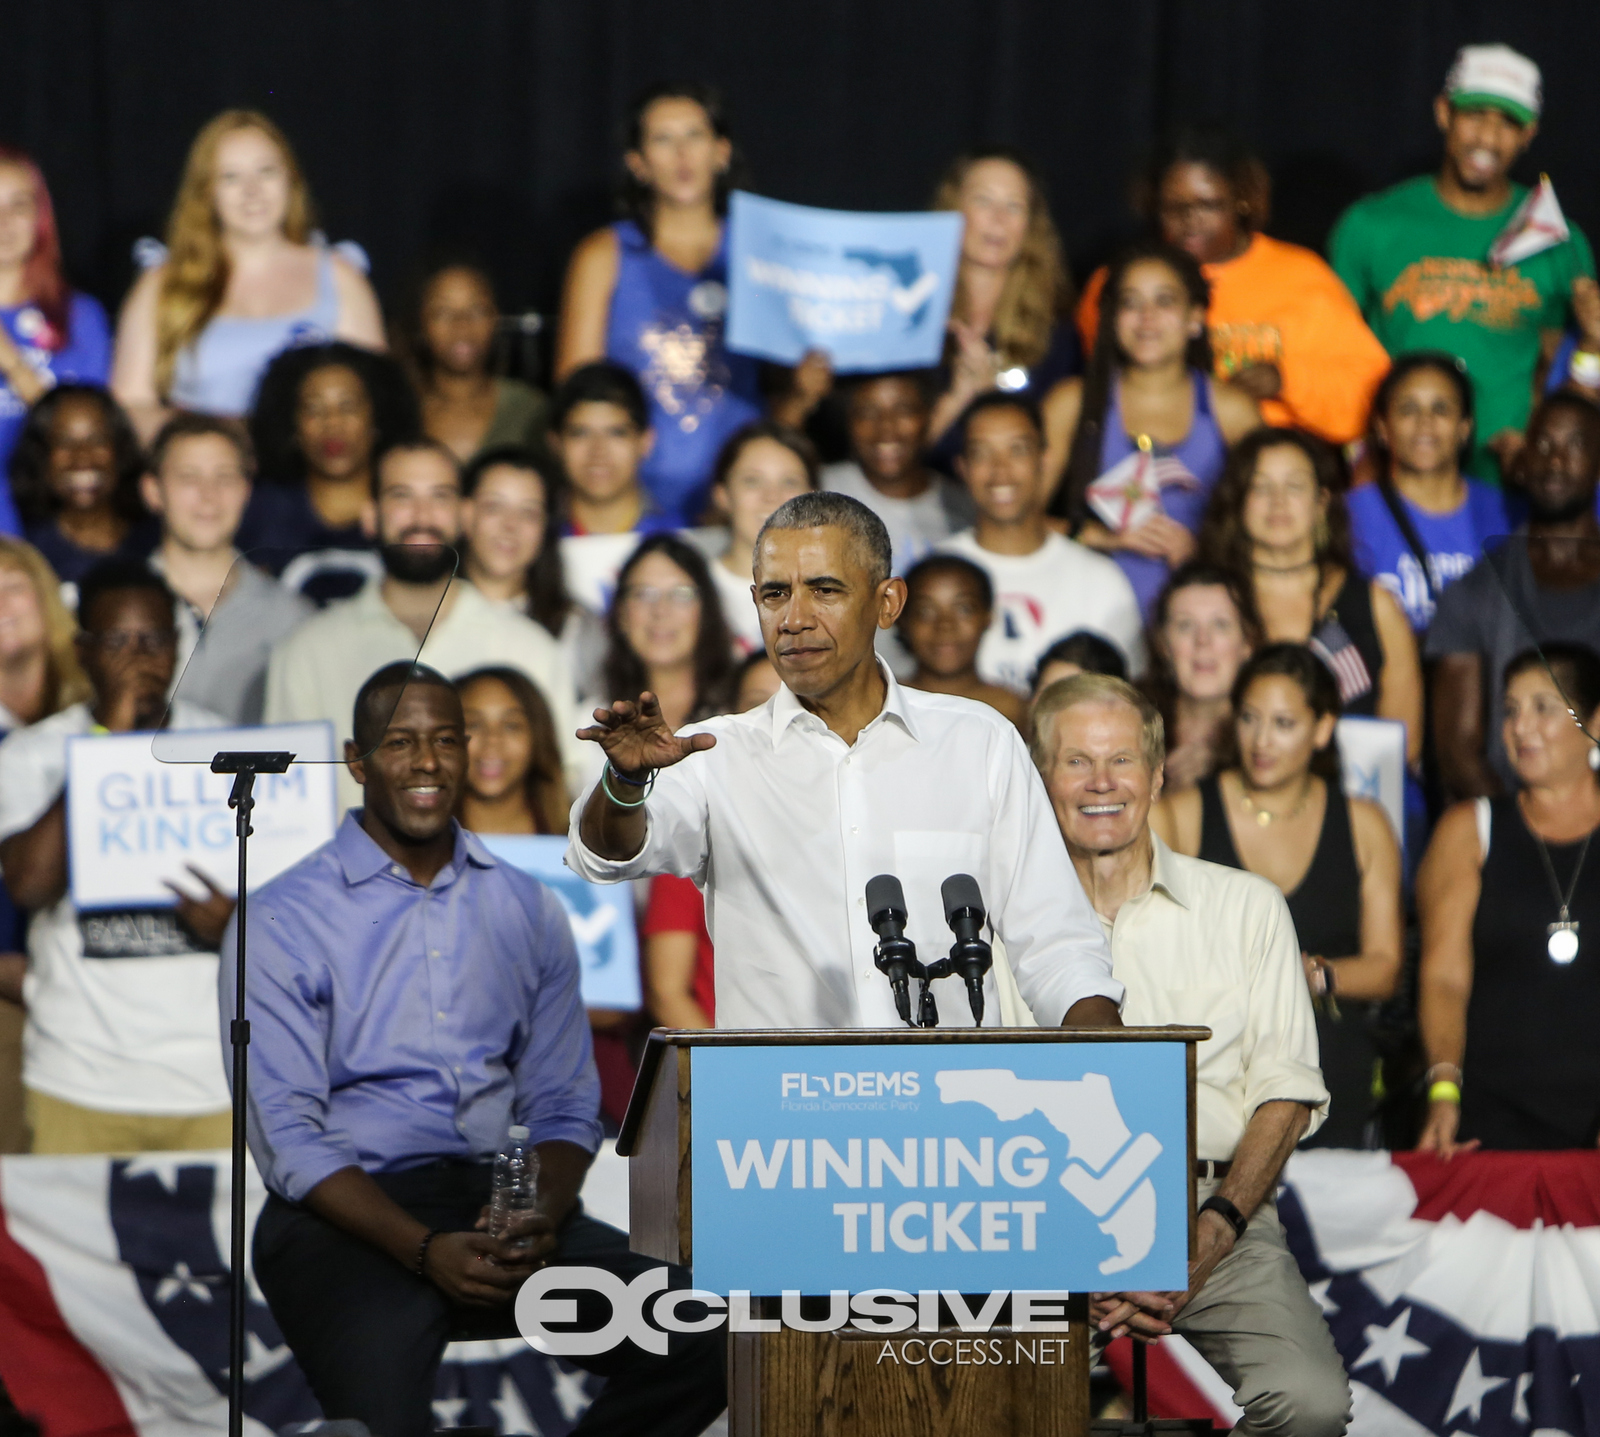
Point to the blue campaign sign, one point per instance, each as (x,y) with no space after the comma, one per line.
(872,290)
(972,1167)
(600,915)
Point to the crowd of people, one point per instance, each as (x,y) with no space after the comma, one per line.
(1229,456)
(1274,492)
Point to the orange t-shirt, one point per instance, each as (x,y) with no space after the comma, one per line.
(1280,304)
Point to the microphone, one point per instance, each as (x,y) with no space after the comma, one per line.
(970,956)
(895,955)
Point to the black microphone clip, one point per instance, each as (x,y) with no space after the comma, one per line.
(895,955)
(970,955)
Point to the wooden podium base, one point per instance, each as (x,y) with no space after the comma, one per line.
(945,1384)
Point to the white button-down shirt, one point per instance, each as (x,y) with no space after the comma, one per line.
(1216,947)
(782,824)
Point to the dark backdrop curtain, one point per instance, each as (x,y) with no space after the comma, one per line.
(494,124)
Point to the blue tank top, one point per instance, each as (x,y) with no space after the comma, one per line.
(1202,451)
(217,373)
(666,326)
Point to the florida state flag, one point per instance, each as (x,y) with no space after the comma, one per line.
(1537,225)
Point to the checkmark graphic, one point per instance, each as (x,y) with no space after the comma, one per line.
(1101,1194)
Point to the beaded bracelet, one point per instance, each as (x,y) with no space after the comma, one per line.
(422,1250)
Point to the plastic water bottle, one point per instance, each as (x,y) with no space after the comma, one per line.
(516,1183)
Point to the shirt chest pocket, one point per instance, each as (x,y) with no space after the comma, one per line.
(923,859)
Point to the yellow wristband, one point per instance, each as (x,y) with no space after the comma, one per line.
(1443,1092)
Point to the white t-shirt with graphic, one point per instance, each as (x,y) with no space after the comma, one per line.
(133,1029)
(1040,597)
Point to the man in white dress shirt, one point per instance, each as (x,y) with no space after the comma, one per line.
(784,813)
(1199,943)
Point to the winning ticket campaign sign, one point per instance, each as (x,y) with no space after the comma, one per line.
(871,290)
(134,822)
(965,1168)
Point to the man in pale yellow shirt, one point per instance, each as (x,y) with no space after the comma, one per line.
(1196,943)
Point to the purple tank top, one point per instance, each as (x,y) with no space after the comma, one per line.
(1202,451)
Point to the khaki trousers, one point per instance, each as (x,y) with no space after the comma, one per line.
(1258,1325)
(62,1127)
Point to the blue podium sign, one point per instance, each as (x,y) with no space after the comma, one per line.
(970,1167)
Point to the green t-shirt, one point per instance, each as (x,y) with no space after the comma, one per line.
(1419,272)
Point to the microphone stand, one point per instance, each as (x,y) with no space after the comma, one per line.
(244,767)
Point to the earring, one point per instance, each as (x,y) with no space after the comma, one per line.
(1594,758)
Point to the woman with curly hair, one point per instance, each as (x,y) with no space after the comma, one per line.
(321,414)
(245,276)
(49,334)
(75,479)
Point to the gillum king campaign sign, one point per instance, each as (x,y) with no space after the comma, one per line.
(135,822)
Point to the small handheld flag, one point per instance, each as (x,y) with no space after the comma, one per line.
(1537,225)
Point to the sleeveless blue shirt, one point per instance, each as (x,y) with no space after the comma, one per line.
(666,326)
(1202,451)
(217,373)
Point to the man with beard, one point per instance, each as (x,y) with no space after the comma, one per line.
(1541,584)
(1416,256)
(415,515)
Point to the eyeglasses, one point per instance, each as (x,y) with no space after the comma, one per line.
(136,641)
(679,596)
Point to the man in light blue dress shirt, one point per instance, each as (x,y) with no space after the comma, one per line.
(410,998)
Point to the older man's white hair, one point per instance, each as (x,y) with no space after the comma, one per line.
(1094,689)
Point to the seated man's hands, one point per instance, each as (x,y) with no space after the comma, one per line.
(1145,1316)
(533,1232)
(477,1270)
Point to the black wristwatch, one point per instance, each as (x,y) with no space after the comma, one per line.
(1228,1213)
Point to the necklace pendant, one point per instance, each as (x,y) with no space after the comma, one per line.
(1263,818)
(1562,944)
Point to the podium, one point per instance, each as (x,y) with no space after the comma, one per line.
(907,1222)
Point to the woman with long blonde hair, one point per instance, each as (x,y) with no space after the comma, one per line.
(1008,322)
(39,676)
(39,670)
(245,276)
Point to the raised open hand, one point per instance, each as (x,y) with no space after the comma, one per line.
(636,738)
